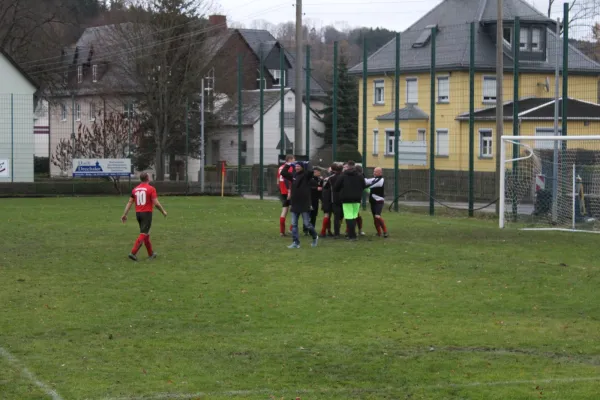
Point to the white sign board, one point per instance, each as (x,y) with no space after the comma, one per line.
(412,153)
(4,171)
(101,167)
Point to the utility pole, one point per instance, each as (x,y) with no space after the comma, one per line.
(202,146)
(499,97)
(298,134)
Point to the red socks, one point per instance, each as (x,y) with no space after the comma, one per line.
(326,224)
(282,225)
(148,244)
(138,243)
(377,225)
(382,224)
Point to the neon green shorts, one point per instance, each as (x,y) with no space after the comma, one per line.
(351,210)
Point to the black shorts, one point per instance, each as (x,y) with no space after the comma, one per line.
(376,207)
(145,221)
(284,200)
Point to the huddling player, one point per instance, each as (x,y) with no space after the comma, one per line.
(350,186)
(300,201)
(145,198)
(376,199)
(284,190)
(316,191)
(327,206)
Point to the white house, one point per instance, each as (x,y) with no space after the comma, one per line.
(222,144)
(17,92)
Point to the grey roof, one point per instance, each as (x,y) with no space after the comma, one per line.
(409,112)
(256,37)
(228,113)
(453,18)
(536,108)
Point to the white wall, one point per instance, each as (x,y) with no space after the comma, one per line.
(227,152)
(16,123)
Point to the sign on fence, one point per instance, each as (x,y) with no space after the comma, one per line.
(101,167)
(412,153)
(4,172)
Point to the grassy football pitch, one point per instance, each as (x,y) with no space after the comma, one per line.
(445,308)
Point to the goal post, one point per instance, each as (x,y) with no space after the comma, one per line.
(550,183)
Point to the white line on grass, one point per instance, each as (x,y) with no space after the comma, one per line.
(237,393)
(29,375)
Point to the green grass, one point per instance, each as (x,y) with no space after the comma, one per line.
(445,308)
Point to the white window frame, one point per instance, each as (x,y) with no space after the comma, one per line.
(379,84)
(63,112)
(411,79)
(447,79)
(524,39)
(438,151)
(79,74)
(489,98)
(276,73)
(92,111)
(94,73)
(483,137)
(390,135)
(77,112)
(375,142)
(536,45)
(421,135)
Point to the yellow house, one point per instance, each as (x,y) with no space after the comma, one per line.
(539,51)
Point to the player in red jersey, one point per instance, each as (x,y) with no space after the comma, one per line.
(145,199)
(285,192)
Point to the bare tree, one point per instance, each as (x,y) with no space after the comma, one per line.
(581,12)
(165,53)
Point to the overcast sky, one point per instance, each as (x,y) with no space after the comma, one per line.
(390,14)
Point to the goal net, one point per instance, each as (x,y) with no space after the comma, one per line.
(550,183)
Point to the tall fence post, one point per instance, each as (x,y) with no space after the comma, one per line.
(129,117)
(307,97)
(282,79)
(396,119)
(432,127)
(364,113)
(565,87)
(202,144)
(472,119)
(334,105)
(239,123)
(187,135)
(262,127)
(515,152)
(12,138)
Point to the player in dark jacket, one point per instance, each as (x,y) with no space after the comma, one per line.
(301,201)
(326,203)
(350,186)
(316,190)
(336,202)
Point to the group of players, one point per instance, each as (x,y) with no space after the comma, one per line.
(302,188)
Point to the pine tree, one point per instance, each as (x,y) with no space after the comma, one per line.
(347,114)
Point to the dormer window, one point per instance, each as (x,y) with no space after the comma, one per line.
(278,78)
(524,36)
(535,39)
(79,74)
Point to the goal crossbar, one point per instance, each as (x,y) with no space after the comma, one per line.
(503,160)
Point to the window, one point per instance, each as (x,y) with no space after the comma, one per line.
(443,89)
(524,36)
(289,119)
(79,74)
(209,80)
(545,144)
(92,111)
(507,35)
(379,92)
(278,78)
(421,135)
(485,143)
(244,151)
(375,142)
(412,95)
(489,89)
(535,40)
(63,112)
(78,112)
(128,109)
(442,144)
(389,141)
(94,73)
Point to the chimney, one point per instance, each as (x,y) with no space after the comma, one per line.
(218,22)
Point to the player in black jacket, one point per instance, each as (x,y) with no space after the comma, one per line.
(336,202)
(300,201)
(316,190)
(350,186)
